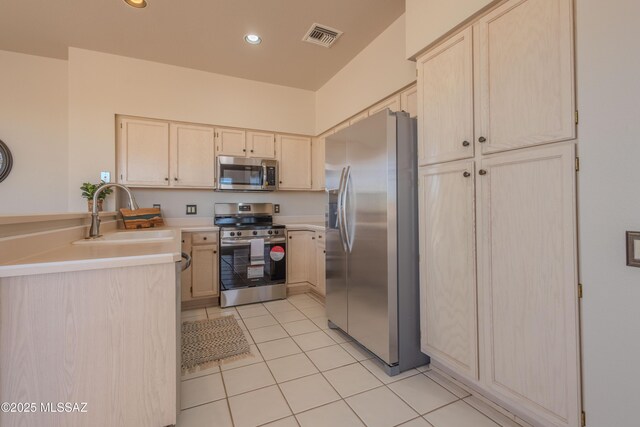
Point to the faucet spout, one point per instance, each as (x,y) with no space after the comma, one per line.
(94,231)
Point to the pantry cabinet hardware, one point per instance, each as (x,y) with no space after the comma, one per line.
(465,143)
(466,174)
(482,172)
(633,248)
(482,139)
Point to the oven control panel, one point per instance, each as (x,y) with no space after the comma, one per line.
(261,233)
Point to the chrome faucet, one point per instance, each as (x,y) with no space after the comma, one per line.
(94,231)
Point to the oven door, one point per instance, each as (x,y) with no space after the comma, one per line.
(238,272)
(239,173)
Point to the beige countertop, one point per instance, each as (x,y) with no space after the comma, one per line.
(71,257)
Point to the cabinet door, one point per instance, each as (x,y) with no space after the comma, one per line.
(321,280)
(318,162)
(445,101)
(357,118)
(230,142)
(312,272)
(392,103)
(409,101)
(448,303)
(294,156)
(192,156)
(525,74)
(144,152)
(296,257)
(204,271)
(528,281)
(261,145)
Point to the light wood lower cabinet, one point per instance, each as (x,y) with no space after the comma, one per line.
(306,259)
(202,279)
(528,281)
(297,256)
(449,323)
(321,264)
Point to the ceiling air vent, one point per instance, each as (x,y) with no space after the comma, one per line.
(322,35)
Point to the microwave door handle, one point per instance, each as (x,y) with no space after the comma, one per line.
(264,176)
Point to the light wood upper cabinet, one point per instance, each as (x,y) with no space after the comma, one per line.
(230,142)
(261,145)
(297,256)
(409,101)
(448,315)
(192,156)
(445,101)
(204,271)
(294,161)
(528,281)
(524,61)
(392,103)
(143,152)
(318,156)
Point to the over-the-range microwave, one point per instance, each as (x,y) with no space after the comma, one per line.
(245,174)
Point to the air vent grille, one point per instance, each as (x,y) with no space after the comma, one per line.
(322,35)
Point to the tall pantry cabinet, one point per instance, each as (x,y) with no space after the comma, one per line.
(498,257)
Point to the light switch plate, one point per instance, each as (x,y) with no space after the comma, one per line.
(276,208)
(192,209)
(157,206)
(105,176)
(633,248)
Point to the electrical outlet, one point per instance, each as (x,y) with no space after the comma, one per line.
(192,209)
(157,206)
(105,176)
(276,208)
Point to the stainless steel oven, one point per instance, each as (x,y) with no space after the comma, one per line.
(244,174)
(253,254)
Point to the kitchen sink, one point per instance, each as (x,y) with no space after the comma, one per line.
(124,237)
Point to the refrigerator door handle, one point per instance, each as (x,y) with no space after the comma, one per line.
(341,227)
(347,236)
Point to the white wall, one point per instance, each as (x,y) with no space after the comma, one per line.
(608,67)
(33,124)
(376,72)
(102,85)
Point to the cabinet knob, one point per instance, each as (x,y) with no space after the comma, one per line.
(482,172)
(465,143)
(466,174)
(290,237)
(252,151)
(280,182)
(313,238)
(204,238)
(215,252)
(482,139)
(244,150)
(175,179)
(166,179)
(324,251)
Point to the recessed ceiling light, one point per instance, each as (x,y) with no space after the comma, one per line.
(136,3)
(252,39)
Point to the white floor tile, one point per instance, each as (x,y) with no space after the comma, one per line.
(375,367)
(351,379)
(381,408)
(304,303)
(314,311)
(247,378)
(289,316)
(258,407)
(201,373)
(278,348)
(448,384)
(422,394)
(330,357)
(357,351)
(291,367)
(308,392)
(285,422)
(321,322)
(491,412)
(300,327)
(250,359)
(337,414)
(417,422)
(214,312)
(338,336)
(252,311)
(201,390)
(313,340)
(259,321)
(458,414)
(279,306)
(268,333)
(214,414)
(197,312)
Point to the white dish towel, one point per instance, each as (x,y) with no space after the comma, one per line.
(257,252)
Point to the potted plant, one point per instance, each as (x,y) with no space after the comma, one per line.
(88,191)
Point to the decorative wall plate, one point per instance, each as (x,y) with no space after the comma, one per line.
(6,161)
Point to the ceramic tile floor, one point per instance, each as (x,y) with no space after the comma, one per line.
(303,374)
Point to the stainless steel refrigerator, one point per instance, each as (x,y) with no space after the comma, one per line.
(372,237)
